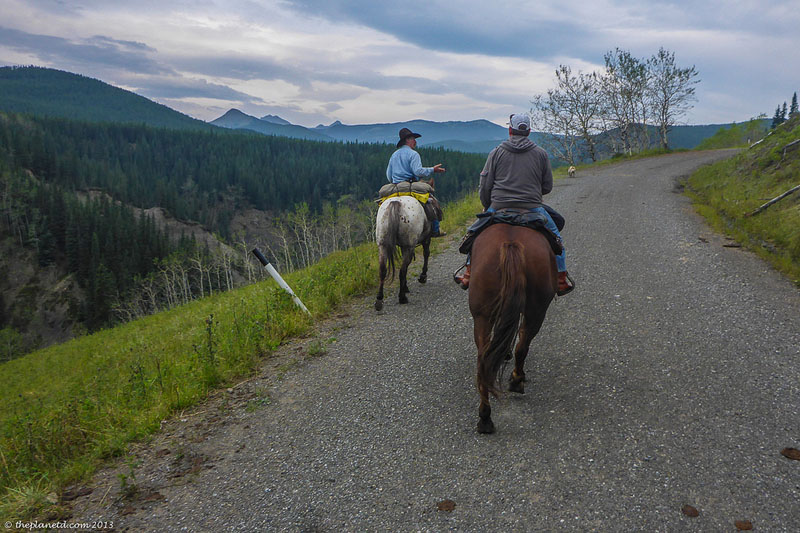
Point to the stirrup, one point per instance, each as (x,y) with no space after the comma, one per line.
(456,271)
(456,278)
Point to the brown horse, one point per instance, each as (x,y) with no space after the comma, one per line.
(514,276)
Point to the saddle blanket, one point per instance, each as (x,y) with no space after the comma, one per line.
(528,219)
(419,196)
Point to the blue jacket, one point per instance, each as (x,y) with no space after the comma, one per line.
(406,165)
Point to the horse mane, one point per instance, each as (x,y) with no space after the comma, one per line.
(505,315)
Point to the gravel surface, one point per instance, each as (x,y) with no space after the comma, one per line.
(669,377)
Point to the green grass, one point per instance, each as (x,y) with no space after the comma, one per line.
(726,192)
(70,407)
(737,136)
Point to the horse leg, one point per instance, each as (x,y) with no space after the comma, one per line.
(382,272)
(407,256)
(485,424)
(481,330)
(527,331)
(426,251)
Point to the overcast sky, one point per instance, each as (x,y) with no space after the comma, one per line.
(367,61)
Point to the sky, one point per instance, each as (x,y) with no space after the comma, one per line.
(365,61)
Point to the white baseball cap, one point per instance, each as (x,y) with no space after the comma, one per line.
(520,122)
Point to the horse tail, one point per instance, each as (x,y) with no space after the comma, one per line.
(505,315)
(390,237)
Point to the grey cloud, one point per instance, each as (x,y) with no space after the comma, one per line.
(242,68)
(349,79)
(59,6)
(359,73)
(178,87)
(431,27)
(97,50)
(573,30)
(132,46)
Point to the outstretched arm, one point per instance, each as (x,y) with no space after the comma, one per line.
(423,172)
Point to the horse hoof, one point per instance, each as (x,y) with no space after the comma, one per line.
(517,385)
(423,279)
(485,426)
(403,300)
(379,305)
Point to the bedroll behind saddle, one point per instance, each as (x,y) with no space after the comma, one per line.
(420,190)
(535,221)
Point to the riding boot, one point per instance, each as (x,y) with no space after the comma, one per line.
(565,284)
(435,231)
(463,279)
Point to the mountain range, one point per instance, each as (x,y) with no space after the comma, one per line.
(478,136)
(471,136)
(55,93)
(268,125)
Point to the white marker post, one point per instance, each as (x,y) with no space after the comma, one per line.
(277,277)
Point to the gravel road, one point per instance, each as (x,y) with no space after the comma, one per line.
(669,377)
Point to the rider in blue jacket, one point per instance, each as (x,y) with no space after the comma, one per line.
(406,165)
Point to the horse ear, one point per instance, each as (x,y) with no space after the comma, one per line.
(431,183)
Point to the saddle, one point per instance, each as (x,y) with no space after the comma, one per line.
(420,190)
(513,217)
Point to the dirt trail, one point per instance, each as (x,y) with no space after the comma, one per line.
(669,377)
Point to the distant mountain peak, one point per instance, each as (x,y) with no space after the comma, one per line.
(275,119)
(331,125)
(233,112)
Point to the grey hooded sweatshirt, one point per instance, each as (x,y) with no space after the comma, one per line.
(517,173)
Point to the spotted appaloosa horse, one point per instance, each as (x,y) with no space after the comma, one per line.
(402,223)
(514,275)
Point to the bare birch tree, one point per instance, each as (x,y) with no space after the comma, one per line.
(580,98)
(671,91)
(551,115)
(624,92)
(198,262)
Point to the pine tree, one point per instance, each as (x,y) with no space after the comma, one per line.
(793,110)
(776,118)
(783,113)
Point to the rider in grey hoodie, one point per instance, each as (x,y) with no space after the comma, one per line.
(516,175)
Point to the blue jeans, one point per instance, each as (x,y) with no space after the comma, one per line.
(435,226)
(561,259)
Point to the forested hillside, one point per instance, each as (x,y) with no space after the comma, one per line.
(207,176)
(304,198)
(55,93)
(743,134)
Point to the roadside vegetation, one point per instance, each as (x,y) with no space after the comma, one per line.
(69,407)
(730,193)
(736,136)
